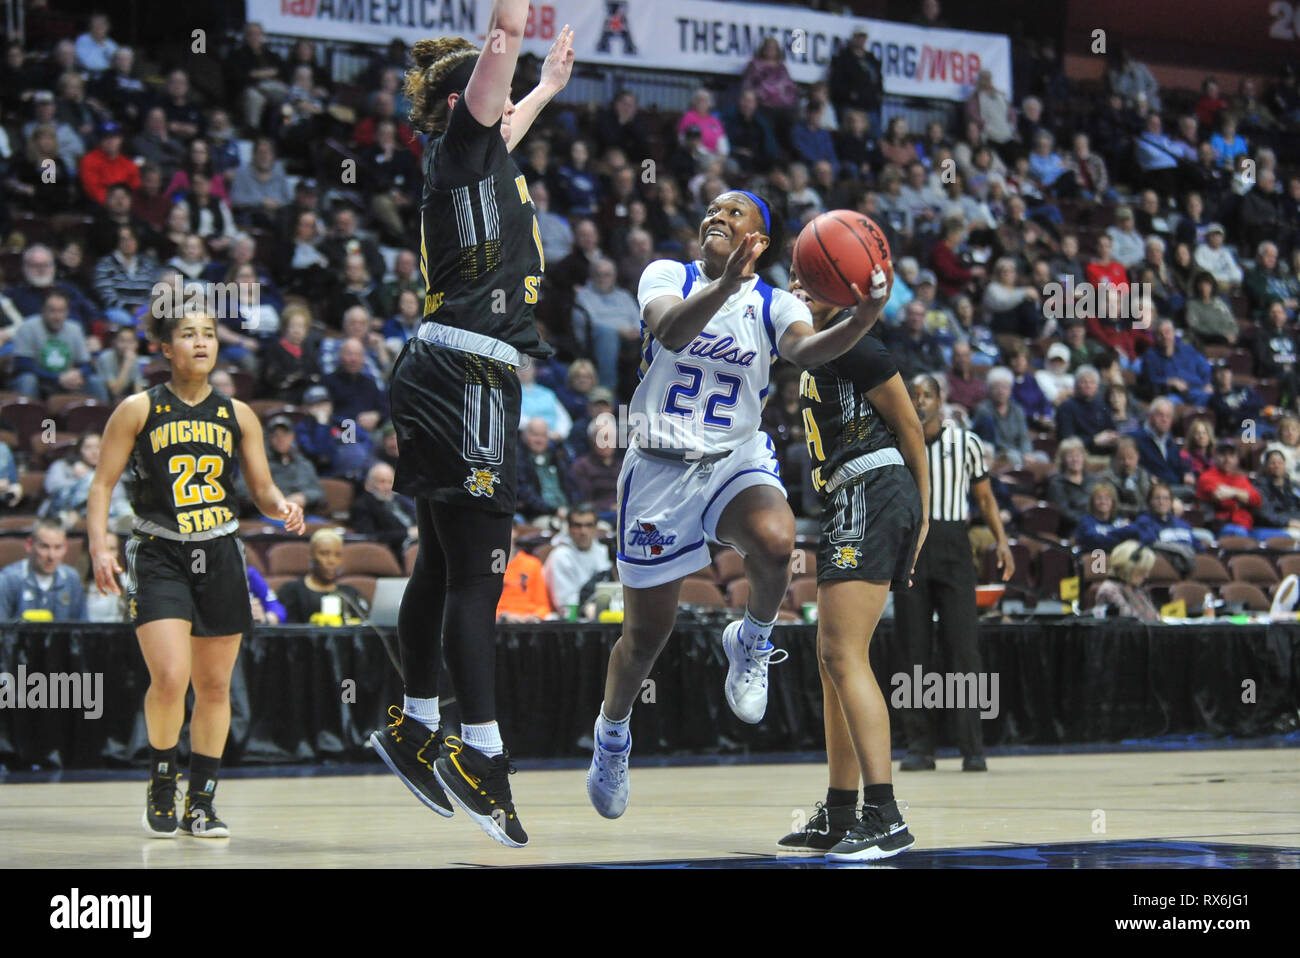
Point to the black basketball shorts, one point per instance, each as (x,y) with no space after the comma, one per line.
(457,421)
(204,583)
(870,527)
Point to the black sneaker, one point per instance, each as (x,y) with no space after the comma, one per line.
(823,831)
(410,749)
(974,763)
(159,818)
(915,762)
(201,820)
(880,832)
(481,786)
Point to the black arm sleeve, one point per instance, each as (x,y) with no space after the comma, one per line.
(467,150)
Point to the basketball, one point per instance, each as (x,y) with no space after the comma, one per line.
(836,250)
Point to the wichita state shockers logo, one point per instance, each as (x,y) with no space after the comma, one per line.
(482,482)
(846,557)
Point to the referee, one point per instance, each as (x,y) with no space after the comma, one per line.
(944,580)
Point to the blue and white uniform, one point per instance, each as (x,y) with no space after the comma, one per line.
(693,424)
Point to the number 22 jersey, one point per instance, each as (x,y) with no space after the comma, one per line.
(183,467)
(707,397)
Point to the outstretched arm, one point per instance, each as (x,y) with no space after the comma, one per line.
(555,76)
(807,349)
(489,85)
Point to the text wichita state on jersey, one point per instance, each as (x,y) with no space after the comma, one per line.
(184,464)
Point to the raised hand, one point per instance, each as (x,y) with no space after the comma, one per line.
(558,65)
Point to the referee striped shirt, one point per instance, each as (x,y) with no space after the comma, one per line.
(956,459)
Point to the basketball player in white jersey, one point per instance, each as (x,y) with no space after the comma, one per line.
(699,469)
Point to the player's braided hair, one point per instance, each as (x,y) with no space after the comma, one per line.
(432,61)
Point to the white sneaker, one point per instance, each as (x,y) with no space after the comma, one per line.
(607,784)
(746,685)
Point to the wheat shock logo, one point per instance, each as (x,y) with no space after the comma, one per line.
(946,690)
(1071,300)
(81,691)
(482,482)
(76,911)
(846,557)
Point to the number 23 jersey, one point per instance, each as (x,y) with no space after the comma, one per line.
(708,396)
(184,465)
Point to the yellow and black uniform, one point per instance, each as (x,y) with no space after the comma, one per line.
(871,510)
(184,557)
(455,395)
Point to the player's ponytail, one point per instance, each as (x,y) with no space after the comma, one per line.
(434,62)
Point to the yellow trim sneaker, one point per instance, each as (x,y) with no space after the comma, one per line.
(159,818)
(481,786)
(409,749)
(201,819)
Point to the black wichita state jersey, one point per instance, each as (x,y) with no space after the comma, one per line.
(480,245)
(840,423)
(184,465)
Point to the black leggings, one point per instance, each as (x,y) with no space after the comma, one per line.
(453,594)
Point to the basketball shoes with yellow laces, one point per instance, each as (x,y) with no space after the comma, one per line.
(409,749)
(160,806)
(481,786)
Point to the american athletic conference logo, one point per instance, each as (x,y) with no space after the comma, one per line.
(616,27)
(646,535)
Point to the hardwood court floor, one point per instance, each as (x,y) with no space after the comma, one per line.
(1237,797)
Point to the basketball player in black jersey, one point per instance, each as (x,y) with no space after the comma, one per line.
(456,406)
(186,584)
(868,459)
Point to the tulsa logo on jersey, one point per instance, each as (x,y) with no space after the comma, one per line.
(647,537)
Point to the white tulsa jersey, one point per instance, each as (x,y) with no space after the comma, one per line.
(708,396)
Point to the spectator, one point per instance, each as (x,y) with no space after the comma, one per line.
(954,276)
(623,126)
(1208,316)
(1269,280)
(991,109)
(260,188)
(1054,379)
(769,80)
(255,73)
(11,489)
(1068,487)
(105,165)
(1159,156)
(41,180)
(41,588)
(964,387)
(546,485)
(67,484)
(115,214)
(345,241)
(1121,592)
(1025,390)
(1288,443)
(1279,498)
(523,593)
(1227,143)
(303,598)
(1089,171)
(577,560)
(95,48)
(856,79)
(208,216)
(1211,104)
(1160,523)
(1131,482)
(124,280)
(1275,353)
(406,276)
(539,402)
(1199,445)
(50,355)
(150,204)
(406,324)
(1158,452)
(1000,421)
(1217,259)
(198,159)
(353,390)
(896,146)
(596,473)
(1014,309)
(1225,487)
(1131,80)
(121,367)
(290,365)
(292,473)
(1082,352)
(1174,369)
(156,146)
(1102,527)
(358,325)
(915,349)
(382,514)
(1126,242)
(1085,415)
(812,142)
(1237,410)
(579,186)
(71,146)
(394,177)
(557,235)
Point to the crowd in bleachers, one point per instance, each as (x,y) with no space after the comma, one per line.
(124,183)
